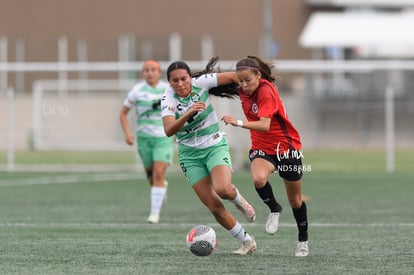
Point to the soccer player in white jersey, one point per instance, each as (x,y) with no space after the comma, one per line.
(203,152)
(154,147)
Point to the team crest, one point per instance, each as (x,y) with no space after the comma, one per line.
(194,97)
(253,154)
(255,109)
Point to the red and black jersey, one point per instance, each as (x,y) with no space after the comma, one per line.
(266,102)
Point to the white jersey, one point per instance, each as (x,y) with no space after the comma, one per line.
(202,130)
(146,100)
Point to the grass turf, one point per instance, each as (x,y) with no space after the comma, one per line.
(360,223)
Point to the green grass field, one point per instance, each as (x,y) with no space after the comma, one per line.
(361,222)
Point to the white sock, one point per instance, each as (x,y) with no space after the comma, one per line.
(157,197)
(239,233)
(237,199)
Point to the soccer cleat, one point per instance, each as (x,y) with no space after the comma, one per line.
(153,218)
(302,249)
(247,247)
(272,223)
(246,209)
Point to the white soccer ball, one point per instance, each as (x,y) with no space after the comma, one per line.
(201,240)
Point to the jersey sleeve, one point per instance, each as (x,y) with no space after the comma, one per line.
(206,81)
(131,98)
(167,103)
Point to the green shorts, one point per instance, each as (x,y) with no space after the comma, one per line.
(197,163)
(155,149)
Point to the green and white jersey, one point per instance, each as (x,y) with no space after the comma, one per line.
(202,130)
(146,100)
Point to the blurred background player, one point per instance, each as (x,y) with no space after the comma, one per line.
(203,152)
(275,144)
(154,147)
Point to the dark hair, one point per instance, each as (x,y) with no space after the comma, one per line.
(255,64)
(228,90)
(177,65)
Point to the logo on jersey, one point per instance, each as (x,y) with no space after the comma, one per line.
(180,107)
(194,97)
(255,108)
(254,153)
(170,108)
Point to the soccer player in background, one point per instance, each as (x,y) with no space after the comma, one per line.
(154,147)
(203,152)
(275,144)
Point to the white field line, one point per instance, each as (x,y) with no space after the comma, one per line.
(185,225)
(132,176)
(91,168)
(71,179)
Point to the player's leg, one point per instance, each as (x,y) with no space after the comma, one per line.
(207,195)
(148,173)
(159,152)
(221,180)
(193,164)
(158,190)
(293,191)
(162,154)
(159,170)
(145,153)
(218,162)
(159,180)
(260,169)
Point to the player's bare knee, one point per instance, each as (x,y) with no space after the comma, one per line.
(226,192)
(259,181)
(156,177)
(295,202)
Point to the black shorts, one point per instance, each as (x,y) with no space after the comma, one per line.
(287,166)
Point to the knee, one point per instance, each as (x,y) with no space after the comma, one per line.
(259,180)
(157,177)
(295,202)
(226,192)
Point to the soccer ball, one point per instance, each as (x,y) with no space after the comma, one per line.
(201,240)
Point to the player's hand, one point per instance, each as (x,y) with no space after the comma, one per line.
(198,107)
(129,139)
(227,119)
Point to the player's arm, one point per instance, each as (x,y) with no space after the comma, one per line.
(129,137)
(262,125)
(267,108)
(227,78)
(173,125)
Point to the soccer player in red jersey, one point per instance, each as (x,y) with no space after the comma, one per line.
(275,144)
